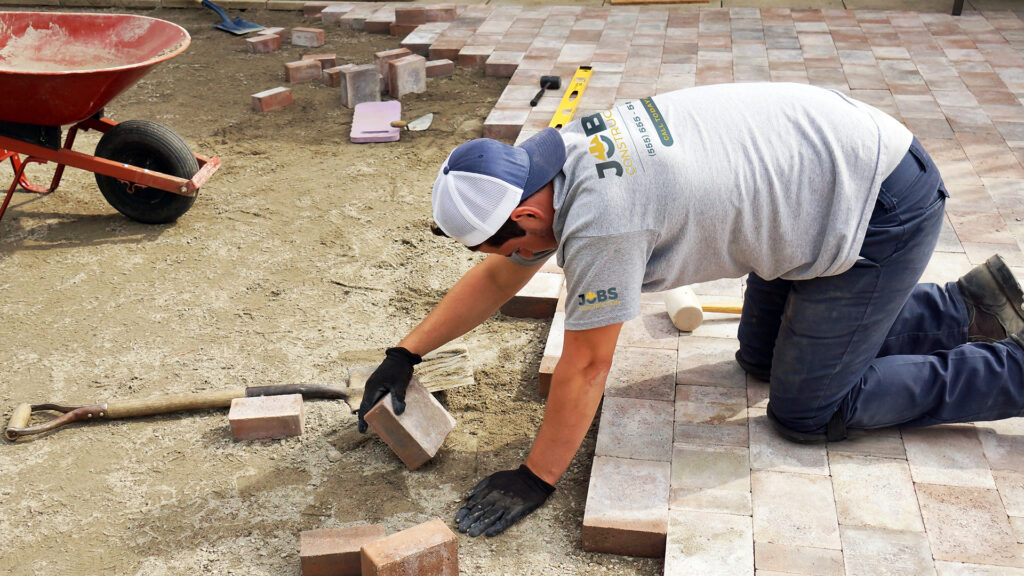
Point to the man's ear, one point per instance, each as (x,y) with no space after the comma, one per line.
(523,211)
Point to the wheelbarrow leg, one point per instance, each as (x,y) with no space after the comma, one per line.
(18,172)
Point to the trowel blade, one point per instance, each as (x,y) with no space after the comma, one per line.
(421,123)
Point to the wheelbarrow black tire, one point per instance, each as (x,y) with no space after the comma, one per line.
(153,146)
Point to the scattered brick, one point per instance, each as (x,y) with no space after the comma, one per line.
(407,75)
(326,60)
(396,29)
(302,71)
(311,37)
(333,13)
(263,417)
(359,83)
(627,507)
(382,58)
(418,433)
(335,551)
(263,43)
(332,76)
(441,13)
(537,299)
(440,68)
(276,31)
(429,548)
(414,15)
(271,99)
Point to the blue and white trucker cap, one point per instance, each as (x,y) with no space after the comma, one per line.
(483,181)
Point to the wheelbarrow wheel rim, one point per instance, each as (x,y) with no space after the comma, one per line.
(151,145)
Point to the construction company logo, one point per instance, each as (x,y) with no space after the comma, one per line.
(606,141)
(612,144)
(598,299)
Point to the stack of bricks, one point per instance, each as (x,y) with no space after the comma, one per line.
(367,550)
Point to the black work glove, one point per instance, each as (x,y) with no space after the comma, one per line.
(392,376)
(501,500)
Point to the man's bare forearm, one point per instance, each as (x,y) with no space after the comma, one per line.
(576,389)
(473,299)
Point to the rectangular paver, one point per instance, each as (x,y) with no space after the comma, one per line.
(428,548)
(874,551)
(627,507)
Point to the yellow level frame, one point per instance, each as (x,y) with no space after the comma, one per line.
(567,107)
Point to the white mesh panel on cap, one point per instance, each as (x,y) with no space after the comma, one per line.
(471,207)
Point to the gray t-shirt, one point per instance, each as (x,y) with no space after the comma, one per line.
(715,182)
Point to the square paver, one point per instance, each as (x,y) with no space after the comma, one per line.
(769,451)
(648,373)
(794,509)
(709,415)
(875,492)
(708,544)
(635,428)
(1003,442)
(710,479)
(651,329)
(708,362)
(966,524)
(950,455)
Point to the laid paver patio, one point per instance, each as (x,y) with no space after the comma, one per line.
(947,500)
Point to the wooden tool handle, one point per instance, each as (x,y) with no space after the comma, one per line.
(722,308)
(20,417)
(172,403)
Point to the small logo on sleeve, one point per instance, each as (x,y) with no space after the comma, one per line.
(598,299)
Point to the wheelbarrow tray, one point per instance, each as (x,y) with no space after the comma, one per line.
(60,68)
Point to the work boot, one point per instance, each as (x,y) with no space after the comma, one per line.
(995,302)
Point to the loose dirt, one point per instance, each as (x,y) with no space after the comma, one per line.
(304,256)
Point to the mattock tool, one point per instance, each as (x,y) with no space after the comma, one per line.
(572,97)
(19,426)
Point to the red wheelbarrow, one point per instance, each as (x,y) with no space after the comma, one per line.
(59,69)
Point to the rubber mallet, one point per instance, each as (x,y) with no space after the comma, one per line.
(546,83)
(686,311)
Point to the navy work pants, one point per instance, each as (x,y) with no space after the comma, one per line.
(873,345)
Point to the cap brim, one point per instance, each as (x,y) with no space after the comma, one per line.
(547,156)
